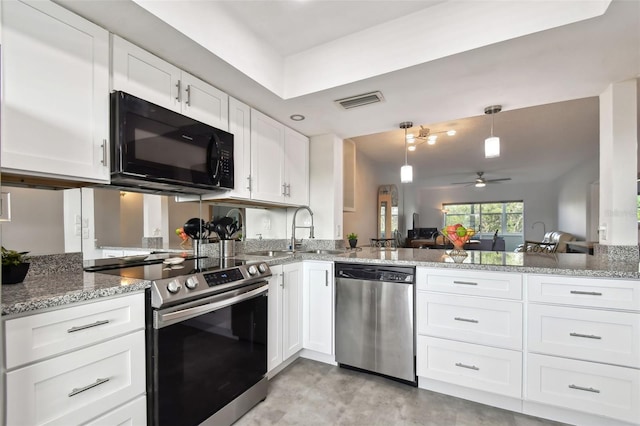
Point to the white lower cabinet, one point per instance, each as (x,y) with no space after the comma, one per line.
(132,413)
(284,313)
(318,290)
(594,388)
(475,366)
(78,363)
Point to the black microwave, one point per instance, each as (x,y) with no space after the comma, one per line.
(154,149)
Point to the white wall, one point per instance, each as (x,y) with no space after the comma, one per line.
(364,221)
(574,200)
(36,221)
(325,186)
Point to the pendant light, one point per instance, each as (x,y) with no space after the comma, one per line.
(406,171)
(492,144)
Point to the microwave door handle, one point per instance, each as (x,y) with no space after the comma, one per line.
(214,165)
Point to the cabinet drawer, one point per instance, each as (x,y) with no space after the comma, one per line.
(594,292)
(585,386)
(475,283)
(72,388)
(132,413)
(38,336)
(479,367)
(588,334)
(484,321)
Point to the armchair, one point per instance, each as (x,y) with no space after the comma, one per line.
(553,242)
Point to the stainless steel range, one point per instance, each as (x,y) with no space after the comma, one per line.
(207,339)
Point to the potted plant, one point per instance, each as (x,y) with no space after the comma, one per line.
(353,240)
(14,266)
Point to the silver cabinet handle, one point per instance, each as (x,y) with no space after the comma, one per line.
(188,95)
(470,367)
(584,389)
(104,152)
(98,382)
(84,327)
(475,321)
(465,282)
(586,336)
(179,86)
(326,278)
(588,293)
(282,282)
(288,194)
(248,183)
(284,189)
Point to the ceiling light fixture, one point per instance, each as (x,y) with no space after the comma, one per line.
(492,143)
(426,135)
(297,117)
(406,171)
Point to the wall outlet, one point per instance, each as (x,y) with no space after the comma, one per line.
(266,224)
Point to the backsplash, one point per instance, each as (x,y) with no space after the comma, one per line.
(54,264)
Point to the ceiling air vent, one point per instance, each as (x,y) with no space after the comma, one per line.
(360,100)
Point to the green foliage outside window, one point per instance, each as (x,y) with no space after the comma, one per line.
(486,218)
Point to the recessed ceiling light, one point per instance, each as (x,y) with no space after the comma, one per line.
(411,148)
(297,117)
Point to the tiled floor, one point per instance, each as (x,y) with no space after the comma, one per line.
(313,393)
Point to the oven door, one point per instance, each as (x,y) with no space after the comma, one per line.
(207,353)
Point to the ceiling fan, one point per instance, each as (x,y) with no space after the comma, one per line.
(481,181)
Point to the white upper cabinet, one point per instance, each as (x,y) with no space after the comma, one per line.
(279,162)
(142,74)
(55,93)
(240,126)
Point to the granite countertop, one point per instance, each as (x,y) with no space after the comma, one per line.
(576,264)
(61,289)
(56,290)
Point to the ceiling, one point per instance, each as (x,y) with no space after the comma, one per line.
(547,80)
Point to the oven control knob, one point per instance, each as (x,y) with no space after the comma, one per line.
(191,283)
(253,270)
(262,268)
(173,286)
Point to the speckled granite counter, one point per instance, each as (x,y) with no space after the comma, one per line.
(557,263)
(62,289)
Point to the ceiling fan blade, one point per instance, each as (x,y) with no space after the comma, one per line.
(496,180)
(463,183)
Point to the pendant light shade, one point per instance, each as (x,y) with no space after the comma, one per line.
(492,143)
(492,147)
(406,174)
(406,171)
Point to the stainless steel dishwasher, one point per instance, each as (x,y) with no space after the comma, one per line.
(375,319)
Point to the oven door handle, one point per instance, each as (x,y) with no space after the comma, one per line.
(163,320)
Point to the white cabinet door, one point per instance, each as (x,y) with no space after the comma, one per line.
(55,93)
(292,309)
(144,75)
(240,126)
(203,102)
(267,160)
(318,306)
(132,413)
(296,167)
(274,320)
(75,387)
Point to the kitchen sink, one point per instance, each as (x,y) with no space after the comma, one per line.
(324,251)
(269,253)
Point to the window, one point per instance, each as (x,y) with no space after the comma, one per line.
(506,217)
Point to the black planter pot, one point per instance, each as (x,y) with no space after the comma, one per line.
(13,274)
(353,243)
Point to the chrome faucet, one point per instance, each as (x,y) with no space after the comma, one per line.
(242,224)
(295,244)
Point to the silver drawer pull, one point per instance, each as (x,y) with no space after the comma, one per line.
(470,367)
(465,282)
(584,389)
(588,293)
(466,320)
(586,336)
(84,327)
(98,382)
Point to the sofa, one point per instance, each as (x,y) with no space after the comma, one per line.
(552,242)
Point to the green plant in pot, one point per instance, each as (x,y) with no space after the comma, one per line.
(353,240)
(15,266)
